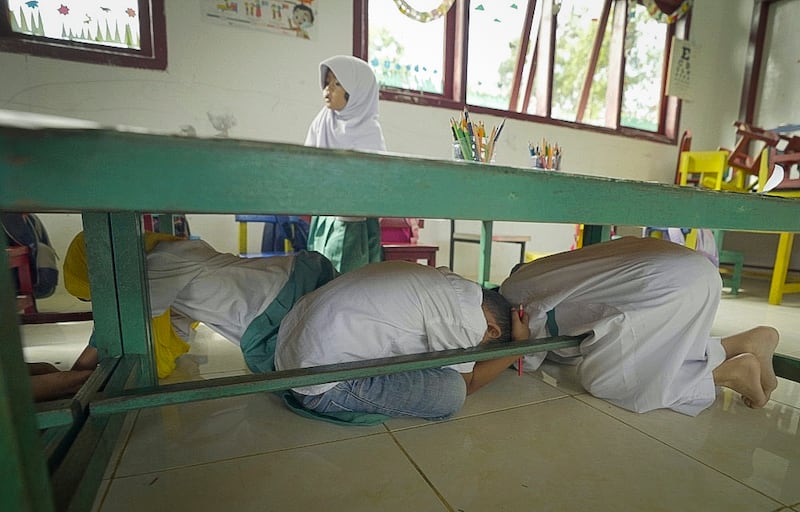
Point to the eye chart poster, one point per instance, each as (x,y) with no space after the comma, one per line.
(295,18)
(679,78)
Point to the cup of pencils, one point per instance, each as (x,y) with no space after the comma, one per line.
(471,140)
(546,155)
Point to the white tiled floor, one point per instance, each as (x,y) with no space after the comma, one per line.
(535,442)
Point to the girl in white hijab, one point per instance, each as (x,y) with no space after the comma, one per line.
(349,120)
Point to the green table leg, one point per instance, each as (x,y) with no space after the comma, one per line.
(24,482)
(485,259)
(593,234)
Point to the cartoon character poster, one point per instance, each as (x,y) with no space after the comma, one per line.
(290,17)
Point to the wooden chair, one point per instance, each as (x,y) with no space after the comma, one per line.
(685,145)
(19,262)
(400,230)
(410,252)
(399,236)
(788,159)
(740,158)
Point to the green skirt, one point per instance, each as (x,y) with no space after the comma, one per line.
(348,245)
(311,271)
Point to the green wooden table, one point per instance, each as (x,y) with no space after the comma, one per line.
(53,458)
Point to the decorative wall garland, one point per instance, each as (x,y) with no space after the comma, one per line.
(659,15)
(424,17)
(439,11)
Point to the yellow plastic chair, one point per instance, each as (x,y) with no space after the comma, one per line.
(778,286)
(710,165)
(711,168)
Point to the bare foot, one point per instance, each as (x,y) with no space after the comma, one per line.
(742,373)
(760,341)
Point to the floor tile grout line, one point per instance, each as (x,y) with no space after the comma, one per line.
(249,455)
(100,499)
(125,443)
(477,414)
(421,473)
(690,456)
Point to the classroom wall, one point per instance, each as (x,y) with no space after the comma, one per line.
(269,84)
(778,103)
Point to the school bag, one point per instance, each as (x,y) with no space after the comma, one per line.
(26,229)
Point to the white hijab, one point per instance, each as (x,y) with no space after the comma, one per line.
(356,126)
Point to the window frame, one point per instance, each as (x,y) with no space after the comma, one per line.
(153,36)
(455,79)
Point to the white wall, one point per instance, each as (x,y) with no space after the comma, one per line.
(269,83)
(778,104)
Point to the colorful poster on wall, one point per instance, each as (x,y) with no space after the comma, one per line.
(295,18)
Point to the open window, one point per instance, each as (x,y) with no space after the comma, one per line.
(601,64)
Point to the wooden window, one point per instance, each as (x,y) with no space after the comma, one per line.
(595,64)
(131,33)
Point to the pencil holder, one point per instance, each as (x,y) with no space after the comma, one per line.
(545,155)
(472,141)
(482,149)
(457,155)
(549,163)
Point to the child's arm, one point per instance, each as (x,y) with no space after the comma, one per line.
(486,371)
(52,386)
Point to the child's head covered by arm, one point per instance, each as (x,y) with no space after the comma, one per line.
(349,119)
(497,311)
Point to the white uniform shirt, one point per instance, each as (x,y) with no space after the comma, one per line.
(381,310)
(223,291)
(649,305)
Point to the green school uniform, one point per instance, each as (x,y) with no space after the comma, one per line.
(348,245)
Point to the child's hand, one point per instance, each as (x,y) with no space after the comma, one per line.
(519,325)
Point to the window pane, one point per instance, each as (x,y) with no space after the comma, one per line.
(101,22)
(403,52)
(495,29)
(623,90)
(644,57)
(577,26)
